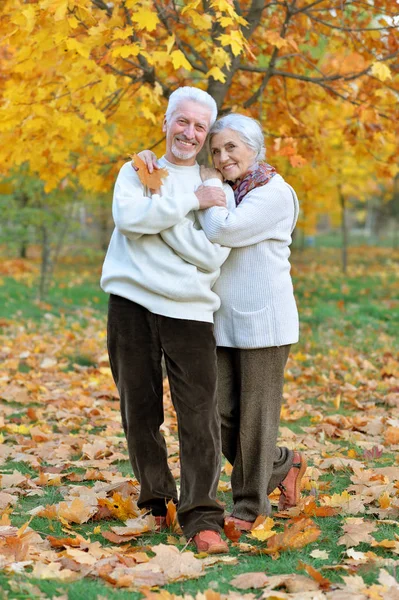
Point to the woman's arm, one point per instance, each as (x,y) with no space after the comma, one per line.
(266,212)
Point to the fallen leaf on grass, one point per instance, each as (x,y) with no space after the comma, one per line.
(323,583)
(171,518)
(176,565)
(249,580)
(295,535)
(357,531)
(119,507)
(117,539)
(263,531)
(136,526)
(75,542)
(53,570)
(232,532)
(321,554)
(75,512)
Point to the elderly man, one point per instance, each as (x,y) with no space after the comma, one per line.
(159,271)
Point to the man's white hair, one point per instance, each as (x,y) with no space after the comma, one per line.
(193,95)
(248,129)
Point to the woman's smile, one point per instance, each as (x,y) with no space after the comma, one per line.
(230,155)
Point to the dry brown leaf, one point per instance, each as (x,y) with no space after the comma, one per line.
(231,531)
(151,180)
(176,565)
(323,583)
(244,581)
(295,535)
(75,542)
(357,531)
(136,526)
(117,539)
(75,512)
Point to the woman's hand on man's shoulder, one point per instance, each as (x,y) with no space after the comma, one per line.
(210,173)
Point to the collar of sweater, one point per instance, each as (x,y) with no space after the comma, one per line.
(182,169)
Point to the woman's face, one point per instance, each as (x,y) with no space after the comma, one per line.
(230,155)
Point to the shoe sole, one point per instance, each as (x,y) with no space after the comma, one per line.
(216,549)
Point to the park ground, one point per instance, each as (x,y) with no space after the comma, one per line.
(69,525)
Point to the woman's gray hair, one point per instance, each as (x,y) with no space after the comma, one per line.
(193,95)
(248,129)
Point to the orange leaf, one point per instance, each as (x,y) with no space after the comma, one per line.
(117,539)
(324,583)
(311,510)
(232,532)
(151,180)
(64,542)
(295,535)
(171,517)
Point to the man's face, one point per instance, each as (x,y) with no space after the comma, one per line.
(186,132)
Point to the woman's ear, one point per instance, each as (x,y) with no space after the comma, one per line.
(164,124)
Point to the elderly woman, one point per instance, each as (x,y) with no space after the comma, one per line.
(258,318)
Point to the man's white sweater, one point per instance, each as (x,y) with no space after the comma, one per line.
(158,255)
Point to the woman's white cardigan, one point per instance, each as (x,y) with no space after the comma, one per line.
(258,307)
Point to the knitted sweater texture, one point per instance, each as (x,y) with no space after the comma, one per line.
(158,255)
(258,307)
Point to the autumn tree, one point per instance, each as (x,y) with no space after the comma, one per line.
(85,82)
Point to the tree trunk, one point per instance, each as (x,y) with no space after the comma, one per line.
(344,230)
(23,248)
(45,267)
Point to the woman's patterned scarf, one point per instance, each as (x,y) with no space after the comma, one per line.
(260,175)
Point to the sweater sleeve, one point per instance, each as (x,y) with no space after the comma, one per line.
(136,214)
(193,246)
(266,212)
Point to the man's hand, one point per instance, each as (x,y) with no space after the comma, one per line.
(150,159)
(209,196)
(210,173)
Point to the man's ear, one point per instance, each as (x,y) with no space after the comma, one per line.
(164,124)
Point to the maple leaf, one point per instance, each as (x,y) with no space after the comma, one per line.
(373,453)
(75,512)
(179,60)
(232,532)
(381,71)
(263,530)
(357,531)
(120,507)
(295,535)
(151,180)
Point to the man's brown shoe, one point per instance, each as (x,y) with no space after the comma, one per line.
(290,487)
(210,542)
(239,523)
